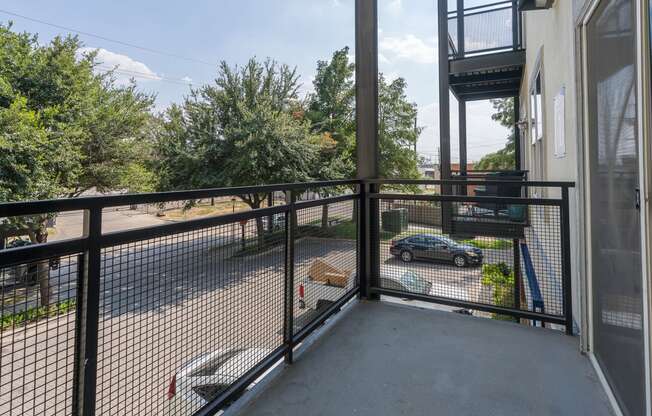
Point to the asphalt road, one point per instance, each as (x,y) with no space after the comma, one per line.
(162,304)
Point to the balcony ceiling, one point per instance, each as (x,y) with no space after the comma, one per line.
(384,359)
(482,77)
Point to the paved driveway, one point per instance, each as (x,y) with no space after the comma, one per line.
(162,304)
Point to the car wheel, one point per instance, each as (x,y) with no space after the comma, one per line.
(459,260)
(407,256)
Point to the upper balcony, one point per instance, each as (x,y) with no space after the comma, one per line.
(196,316)
(486,57)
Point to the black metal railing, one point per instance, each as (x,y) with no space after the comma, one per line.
(141,320)
(508,256)
(488,28)
(135,319)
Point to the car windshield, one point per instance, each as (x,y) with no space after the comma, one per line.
(413,282)
(211,366)
(446,240)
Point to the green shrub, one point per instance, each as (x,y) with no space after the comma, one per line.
(501,279)
(493,244)
(36,313)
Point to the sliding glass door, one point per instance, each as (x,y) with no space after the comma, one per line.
(613,178)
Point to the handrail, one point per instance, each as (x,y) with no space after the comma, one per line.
(461,181)
(10,209)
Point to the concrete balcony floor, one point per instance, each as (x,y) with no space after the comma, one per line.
(388,359)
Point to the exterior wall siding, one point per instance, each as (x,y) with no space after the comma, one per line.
(549,38)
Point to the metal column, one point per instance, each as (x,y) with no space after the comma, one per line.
(366,75)
(444,110)
(85,382)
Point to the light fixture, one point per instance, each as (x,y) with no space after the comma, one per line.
(525,5)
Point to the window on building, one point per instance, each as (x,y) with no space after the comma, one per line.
(536,107)
(536,130)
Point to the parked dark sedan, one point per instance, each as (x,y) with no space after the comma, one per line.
(435,247)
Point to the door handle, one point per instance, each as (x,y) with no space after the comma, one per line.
(637,193)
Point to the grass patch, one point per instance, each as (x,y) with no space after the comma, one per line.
(493,244)
(220,208)
(36,313)
(346,230)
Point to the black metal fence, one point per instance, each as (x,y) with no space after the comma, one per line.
(177,318)
(183,316)
(491,27)
(504,256)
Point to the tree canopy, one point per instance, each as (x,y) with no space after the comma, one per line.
(505,158)
(64,128)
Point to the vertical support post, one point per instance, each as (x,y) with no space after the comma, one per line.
(444,111)
(288,325)
(77,382)
(366,75)
(463,158)
(517,133)
(88,314)
(516,37)
(566,260)
(517,275)
(460,28)
(373,243)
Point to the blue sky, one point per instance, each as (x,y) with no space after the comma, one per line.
(195,37)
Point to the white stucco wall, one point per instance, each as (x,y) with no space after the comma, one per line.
(549,39)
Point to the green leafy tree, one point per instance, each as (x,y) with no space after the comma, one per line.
(396,129)
(248,128)
(331,111)
(63,128)
(503,159)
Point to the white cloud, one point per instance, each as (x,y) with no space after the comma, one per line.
(187,79)
(124,66)
(395,6)
(483,134)
(408,47)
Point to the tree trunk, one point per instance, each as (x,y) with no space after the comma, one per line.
(40,236)
(260,230)
(324,216)
(43,273)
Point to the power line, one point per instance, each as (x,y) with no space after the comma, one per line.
(143,75)
(119,42)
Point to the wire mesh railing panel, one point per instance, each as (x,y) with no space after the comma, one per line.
(488,30)
(493,254)
(541,252)
(325,258)
(184,316)
(37,336)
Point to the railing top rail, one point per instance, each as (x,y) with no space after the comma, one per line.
(12,209)
(493,181)
(465,198)
(483,6)
(74,245)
